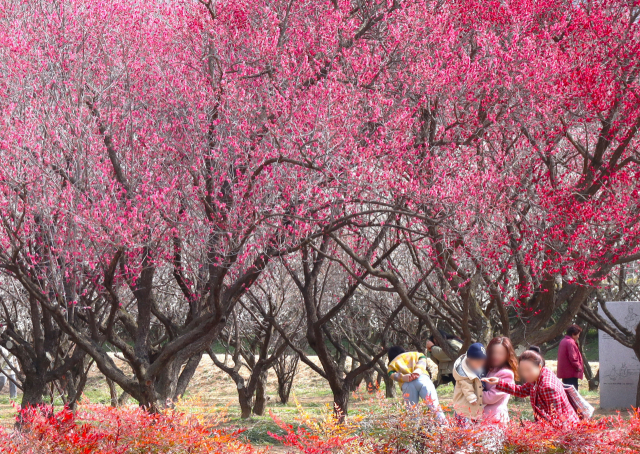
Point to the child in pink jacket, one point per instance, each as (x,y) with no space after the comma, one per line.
(502,363)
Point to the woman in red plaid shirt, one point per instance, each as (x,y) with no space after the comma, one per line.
(548,397)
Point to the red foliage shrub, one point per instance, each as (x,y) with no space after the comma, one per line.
(106,430)
(324,435)
(388,428)
(394,429)
(593,436)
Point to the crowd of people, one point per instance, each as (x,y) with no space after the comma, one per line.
(485,378)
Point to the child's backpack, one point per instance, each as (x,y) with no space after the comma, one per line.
(579,403)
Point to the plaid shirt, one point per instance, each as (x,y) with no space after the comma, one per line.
(548,397)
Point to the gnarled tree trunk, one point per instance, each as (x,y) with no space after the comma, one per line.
(593,381)
(286,367)
(34,390)
(260,404)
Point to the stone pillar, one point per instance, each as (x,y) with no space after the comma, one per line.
(619,366)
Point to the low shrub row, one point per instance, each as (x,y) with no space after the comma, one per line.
(393,429)
(124,430)
(385,428)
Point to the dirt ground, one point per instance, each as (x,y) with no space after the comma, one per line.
(211,391)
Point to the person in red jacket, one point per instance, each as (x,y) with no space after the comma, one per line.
(548,398)
(570,365)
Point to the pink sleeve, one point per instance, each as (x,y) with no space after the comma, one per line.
(493,394)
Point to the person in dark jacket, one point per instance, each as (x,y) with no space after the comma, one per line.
(570,365)
(445,364)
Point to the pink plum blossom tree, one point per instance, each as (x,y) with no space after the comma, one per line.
(478,159)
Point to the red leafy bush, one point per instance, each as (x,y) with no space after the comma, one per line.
(387,427)
(604,435)
(392,428)
(320,435)
(106,430)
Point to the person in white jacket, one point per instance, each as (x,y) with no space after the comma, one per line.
(9,367)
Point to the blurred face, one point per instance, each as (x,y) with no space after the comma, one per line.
(529,371)
(499,356)
(475,364)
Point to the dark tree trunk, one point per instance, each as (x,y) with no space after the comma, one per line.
(76,391)
(369,379)
(594,383)
(113,392)
(390,389)
(358,381)
(318,334)
(186,376)
(260,405)
(341,401)
(75,380)
(173,381)
(124,397)
(166,384)
(588,372)
(34,389)
(246,402)
(148,399)
(163,392)
(284,391)
(246,390)
(286,367)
